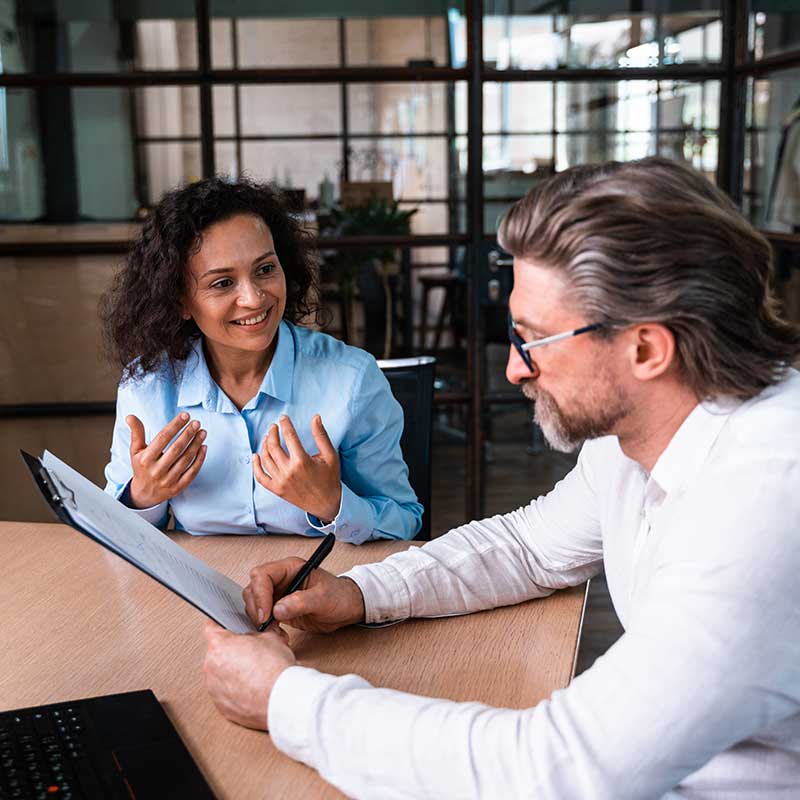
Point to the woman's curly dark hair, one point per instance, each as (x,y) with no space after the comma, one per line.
(141,312)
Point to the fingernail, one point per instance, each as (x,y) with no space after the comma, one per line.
(202,434)
(260,614)
(278,610)
(184,416)
(284,417)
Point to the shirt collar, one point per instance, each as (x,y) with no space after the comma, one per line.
(277,382)
(692,442)
(197,387)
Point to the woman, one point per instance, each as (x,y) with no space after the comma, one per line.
(221,406)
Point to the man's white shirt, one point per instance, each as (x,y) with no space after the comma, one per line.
(700,698)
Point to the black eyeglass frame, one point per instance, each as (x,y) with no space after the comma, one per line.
(522,346)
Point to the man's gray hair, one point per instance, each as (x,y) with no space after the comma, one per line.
(654,241)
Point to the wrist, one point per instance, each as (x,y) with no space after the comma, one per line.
(130,497)
(138,501)
(357,609)
(331,510)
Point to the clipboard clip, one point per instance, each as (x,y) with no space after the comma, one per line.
(59,492)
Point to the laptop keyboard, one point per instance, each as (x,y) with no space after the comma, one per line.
(47,753)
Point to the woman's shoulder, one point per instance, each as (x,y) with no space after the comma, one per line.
(319,346)
(164,376)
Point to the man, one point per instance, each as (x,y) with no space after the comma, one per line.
(676,371)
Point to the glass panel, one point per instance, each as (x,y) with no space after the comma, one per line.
(524,154)
(226,159)
(22,190)
(588,122)
(103,155)
(64,36)
(397,108)
(223,43)
(107,152)
(429,217)
(667,33)
(252,38)
(167,111)
(773,27)
(167,165)
(416,166)
(224,103)
(299,164)
(772,152)
(400,41)
(517,107)
(290,109)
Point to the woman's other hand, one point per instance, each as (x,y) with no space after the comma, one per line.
(162,470)
(308,482)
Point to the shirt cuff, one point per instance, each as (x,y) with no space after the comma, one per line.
(292,710)
(155,515)
(386,595)
(355,522)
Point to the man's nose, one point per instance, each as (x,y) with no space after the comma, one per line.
(516,369)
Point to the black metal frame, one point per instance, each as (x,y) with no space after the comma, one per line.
(733,72)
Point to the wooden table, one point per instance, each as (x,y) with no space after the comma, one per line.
(78,621)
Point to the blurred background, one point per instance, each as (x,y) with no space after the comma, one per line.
(402,131)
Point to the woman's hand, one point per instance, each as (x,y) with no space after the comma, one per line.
(158,473)
(308,482)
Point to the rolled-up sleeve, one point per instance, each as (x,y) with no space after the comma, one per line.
(709,660)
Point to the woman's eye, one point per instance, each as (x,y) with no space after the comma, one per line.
(265,269)
(222,284)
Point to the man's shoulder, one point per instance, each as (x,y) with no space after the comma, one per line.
(770,422)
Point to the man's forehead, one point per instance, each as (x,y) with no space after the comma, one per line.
(539,292)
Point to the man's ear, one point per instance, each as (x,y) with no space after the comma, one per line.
(652,350)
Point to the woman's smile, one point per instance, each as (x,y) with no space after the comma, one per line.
(255,322)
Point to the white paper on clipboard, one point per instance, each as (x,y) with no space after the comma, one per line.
(122,530)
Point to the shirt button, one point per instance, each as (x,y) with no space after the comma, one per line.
(246,460)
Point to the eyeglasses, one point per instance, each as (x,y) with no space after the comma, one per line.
(522,346)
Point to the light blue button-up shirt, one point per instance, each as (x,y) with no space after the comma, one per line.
(311,373)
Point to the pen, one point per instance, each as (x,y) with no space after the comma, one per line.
(316,559)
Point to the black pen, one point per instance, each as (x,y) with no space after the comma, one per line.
(316,559)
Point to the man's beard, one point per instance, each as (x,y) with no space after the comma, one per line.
(564,431)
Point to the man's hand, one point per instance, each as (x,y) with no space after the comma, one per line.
(324,604)
(161,472)
(308,482)
(241,671)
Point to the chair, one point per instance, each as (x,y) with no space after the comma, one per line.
(411,381)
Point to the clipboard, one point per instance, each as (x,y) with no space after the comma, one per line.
(77,502)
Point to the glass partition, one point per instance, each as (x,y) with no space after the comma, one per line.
(771,197)
(101,36)
(773,28)
(353,34)
(575,34)
(533,129)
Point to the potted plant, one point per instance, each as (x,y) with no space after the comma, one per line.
(372,269)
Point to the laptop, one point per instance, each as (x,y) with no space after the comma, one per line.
(115,747)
